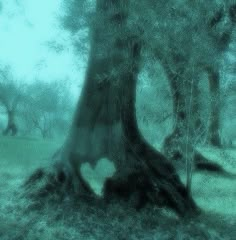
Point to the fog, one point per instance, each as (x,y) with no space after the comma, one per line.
(35,45)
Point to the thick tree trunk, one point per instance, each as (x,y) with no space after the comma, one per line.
(162,174)
(214,123)
(105,127)
(97,132)
(11,126)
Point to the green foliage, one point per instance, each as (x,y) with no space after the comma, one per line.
(47,107)
(76,18)
(11,90)
(75,15)
(184,30)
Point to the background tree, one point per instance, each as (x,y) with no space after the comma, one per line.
(47,108)
(11,95)
(221,28)
(228,97)
(186,43)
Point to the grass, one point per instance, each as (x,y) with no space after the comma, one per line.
(21,219)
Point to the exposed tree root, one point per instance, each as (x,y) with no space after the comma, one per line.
(43,183)
(203,164)
(154,181)
(146,186)
(176,152)
(163,184)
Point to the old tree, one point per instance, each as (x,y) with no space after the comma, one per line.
(105,127)
(11,96)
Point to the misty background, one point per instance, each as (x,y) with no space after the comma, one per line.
(51,52)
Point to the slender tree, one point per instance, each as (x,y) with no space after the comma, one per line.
(183,64)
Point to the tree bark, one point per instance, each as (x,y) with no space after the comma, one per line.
(180,145)
(186,114)
(11,126)
(179,83)
(105,126)
(214,123)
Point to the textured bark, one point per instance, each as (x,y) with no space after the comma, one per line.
(11,125)
(185,111)
(105,125)
(221,40)
(214,123)
(179,146)
(161,173)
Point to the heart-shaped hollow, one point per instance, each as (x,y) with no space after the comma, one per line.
(96,177)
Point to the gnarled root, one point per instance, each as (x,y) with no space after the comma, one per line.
(43,184)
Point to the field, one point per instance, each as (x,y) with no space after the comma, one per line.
(19,221)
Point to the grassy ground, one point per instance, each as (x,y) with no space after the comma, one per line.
(20,219)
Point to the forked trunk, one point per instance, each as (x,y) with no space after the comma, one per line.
(105,144)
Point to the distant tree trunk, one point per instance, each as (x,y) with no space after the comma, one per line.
(11,126)
(199,125)
(180,145)
(185,115)
(222,41)
(105,126)
(183,138)
(214,123)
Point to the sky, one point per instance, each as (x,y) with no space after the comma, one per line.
(33,43)
(28,30)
